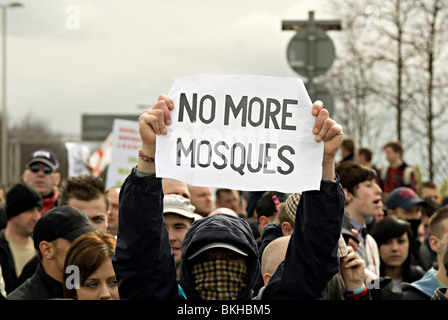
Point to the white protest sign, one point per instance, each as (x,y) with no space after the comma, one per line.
(125,144)
(77,155)
(241,132)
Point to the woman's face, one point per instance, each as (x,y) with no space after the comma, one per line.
(395,251)
(100,285)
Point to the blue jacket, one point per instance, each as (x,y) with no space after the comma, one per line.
(144,264)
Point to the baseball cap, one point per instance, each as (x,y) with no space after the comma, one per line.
(218,245)
(20,198)
(61,222)
(174,203)
(269,203)
(44,156)
(403,197)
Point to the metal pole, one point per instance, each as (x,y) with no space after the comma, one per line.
(4,110)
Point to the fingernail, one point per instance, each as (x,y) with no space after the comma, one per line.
(315,131)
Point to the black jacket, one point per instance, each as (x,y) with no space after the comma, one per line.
(3,217)
(144,264)
(8,266)
(271,231)
(7,263)
(39,287)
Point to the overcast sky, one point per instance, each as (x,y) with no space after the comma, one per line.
(126,53)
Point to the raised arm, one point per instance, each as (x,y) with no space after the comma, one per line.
(143,262)
(311,259)
(327,130)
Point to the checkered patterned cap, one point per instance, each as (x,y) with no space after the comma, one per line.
(291,204)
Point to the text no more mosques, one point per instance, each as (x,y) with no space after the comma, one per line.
(272,113)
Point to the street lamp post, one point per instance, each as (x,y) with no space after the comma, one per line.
(4,151)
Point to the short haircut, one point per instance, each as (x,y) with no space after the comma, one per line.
(394,145)
(273,254)
(436,222)
(352,173)
(283,216)
(220,191)
(366,152)
(426,184)
(83,187)
(349,144)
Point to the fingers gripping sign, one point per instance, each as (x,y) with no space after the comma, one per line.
(231,130)
(326,129)
(152,122)
(330,132)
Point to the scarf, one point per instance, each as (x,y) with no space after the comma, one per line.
(219,279)
(49,201)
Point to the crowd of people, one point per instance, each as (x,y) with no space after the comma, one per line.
(368,233)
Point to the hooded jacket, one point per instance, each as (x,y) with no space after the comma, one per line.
(219,228)
(144,263)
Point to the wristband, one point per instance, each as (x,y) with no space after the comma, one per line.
(356,293)
(357,290)
(144,157)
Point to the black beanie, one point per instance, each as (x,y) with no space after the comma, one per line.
(20,198)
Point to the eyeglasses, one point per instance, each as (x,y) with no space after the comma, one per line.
(36,168)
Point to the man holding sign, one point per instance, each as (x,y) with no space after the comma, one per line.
(241,132)
(143,261)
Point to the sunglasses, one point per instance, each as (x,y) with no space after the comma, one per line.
(36,168)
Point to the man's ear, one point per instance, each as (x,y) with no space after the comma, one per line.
(348,196)
(46,249)
(266,278)
(262,222)
(287,229)
(434,244)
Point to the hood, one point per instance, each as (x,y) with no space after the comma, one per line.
(428,283)
(219,228)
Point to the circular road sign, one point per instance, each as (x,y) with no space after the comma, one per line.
(310,52)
